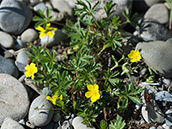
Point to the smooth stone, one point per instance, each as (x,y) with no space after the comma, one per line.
(152,2)
(40,112)
(167,81)
(6,40)
(15,16)
(34,1)
(58,38)
(158,12)
(77,123)
(22,57)
(141,6)
(14,100)
(22,122)
(7,67)
(29,35)
(56,117)
(142,122)
(49,126)
(153,127)
(40,6)
(157,55)
(46,91)
(151,29)
(21,60)
(62,6)
(9,123)
(163,96)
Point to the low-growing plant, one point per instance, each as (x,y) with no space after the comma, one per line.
(81,81)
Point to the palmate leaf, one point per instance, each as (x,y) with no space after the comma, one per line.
(117,123)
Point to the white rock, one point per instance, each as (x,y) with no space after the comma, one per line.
(9,123)
(6,40)
(78,125)
(29,35)
(14,100)
(40,112)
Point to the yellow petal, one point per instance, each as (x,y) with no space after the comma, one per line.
(61,97)
(93,99)
(32,76)
(35,70)
(48,26)
(96,87)
(27,74)
(50,34)
(49,98)
(32,65)
(42,35)
(97,95)
(88,94)
(39,28)
(90,87)
(27,67)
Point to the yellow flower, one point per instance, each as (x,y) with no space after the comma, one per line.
(134,55)
(93,92)
(48,30)
(54,98)
(31,70)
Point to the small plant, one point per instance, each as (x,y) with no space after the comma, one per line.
(83,83)
(117,123)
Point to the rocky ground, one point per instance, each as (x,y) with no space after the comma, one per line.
(19,96)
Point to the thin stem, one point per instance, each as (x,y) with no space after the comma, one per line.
(95,20)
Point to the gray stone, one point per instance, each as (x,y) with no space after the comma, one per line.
(151,29)
(29,35)
(22,57)
(34,1)
(78,125)
(9,123)
(15,16)
(163,96)
(158,12)
(142,5)
(14,100)
(7,67)
(62,6)
(21,60)
(49,126)
(58,38)
(40,6)
(56,117)
(40,112)
(153,127)
(6,40)
(157,55)
(152,2)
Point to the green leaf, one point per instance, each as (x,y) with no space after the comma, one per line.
(41,13)
(136,91)
(135,99)
(103,124)
(39,24)
(47,12)
(96,5)
(35,18)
